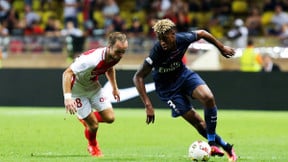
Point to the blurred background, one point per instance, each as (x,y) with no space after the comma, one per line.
(40,38)
(50,33)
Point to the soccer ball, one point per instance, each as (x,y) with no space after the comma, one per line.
(199,151)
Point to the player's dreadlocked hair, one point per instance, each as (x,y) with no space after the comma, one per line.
(162,26)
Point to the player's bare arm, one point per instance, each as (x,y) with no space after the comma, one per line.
(70,104)
(224,50)
(111,76)
(138,80)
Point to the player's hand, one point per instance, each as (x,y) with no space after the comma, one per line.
(150,119)
(150,115)
(227,52)
(116,95)
(70,106)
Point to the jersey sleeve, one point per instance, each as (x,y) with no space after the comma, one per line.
(83,63)
(154,55)
(187,38)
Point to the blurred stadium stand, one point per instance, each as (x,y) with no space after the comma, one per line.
(42,52)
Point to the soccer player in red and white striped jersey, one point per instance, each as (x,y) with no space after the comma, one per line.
(83,93)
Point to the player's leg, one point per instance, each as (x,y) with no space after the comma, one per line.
(181,106)
(205,96)
(92,124)
(105,112)
(195,87)
(89,120)
(195,120)
(90,132)
(91,128)
(107,115)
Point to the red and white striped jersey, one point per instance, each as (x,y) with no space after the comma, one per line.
(89,65)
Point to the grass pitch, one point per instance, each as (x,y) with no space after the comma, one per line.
(49,134)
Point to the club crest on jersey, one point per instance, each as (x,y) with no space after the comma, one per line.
(102,99)
(174,54)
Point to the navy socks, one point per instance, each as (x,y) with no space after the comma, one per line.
(211,121)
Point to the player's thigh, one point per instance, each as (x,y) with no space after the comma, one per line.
(179,104)
(83,107)
(202,93)
(100,101)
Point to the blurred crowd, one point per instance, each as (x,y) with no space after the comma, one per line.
(82,18)
(26,17)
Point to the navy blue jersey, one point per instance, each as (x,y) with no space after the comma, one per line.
(168,64)
(173,81)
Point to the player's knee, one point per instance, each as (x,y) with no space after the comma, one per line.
(202,125)
(93,127)
(209,100)
(109,119)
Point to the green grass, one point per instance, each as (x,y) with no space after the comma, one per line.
(49,134)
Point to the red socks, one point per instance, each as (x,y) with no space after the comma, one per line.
(91,137)
(98,116)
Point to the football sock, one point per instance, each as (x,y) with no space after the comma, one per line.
(211,121)
(211,137)
(91,137)
(98,116)
(220,141)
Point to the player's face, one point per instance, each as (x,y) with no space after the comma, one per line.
(168,40)
(118,49)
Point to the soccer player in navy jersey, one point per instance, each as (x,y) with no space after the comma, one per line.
(83,92)
(174,82)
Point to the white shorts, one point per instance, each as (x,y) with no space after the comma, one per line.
(88,100)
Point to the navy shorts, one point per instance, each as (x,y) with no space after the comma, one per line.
(176,95)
